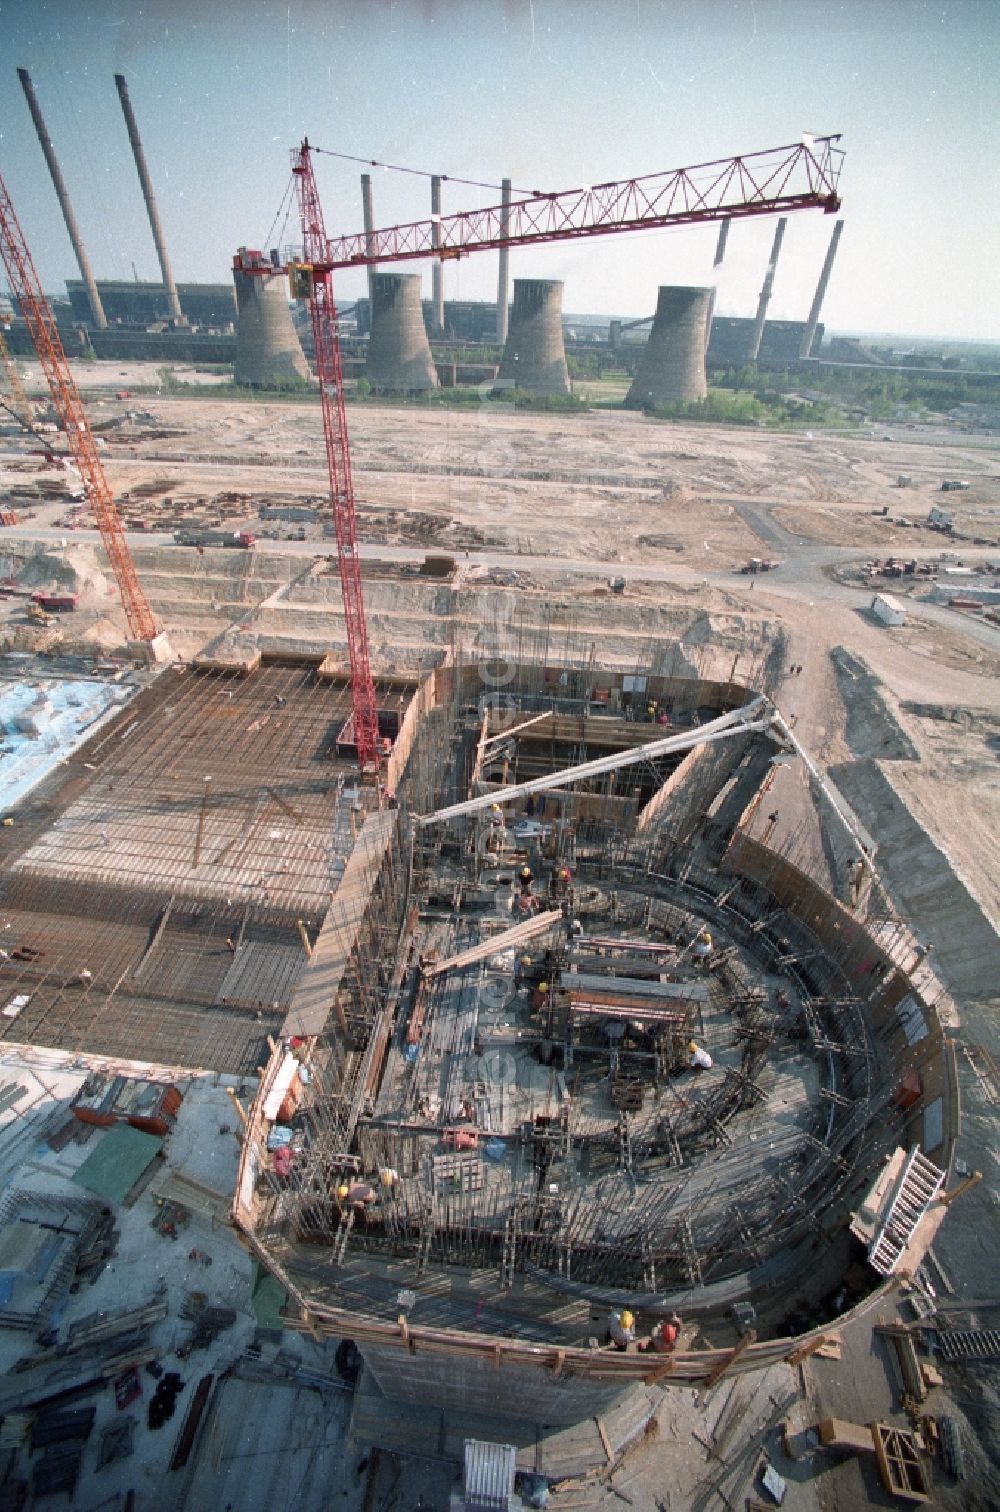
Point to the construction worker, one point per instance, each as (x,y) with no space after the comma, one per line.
(621,1328)
(663,1339)
(698,1059)
(540,995)
(521,967)
(525,877)
(703,945)
(651,711)
(562,879)
(357,1196)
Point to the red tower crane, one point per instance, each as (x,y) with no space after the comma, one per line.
(27,290)
(802,176)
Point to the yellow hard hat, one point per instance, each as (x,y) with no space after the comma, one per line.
(692,1047)
(543,987)
(525,960)
(625,1319)
(343,1191)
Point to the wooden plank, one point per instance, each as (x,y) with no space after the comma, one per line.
(517,935)
(811,1347)
(719,1370)
(837,1433)
(605,1440)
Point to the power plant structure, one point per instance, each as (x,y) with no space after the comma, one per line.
(503,267)
(672,367)
(146,183)
(268,351)
(399,354)
(534,355)
(809,334)
(767,287)
(62,195)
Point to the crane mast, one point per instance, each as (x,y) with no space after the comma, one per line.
(329,371)
(27,290)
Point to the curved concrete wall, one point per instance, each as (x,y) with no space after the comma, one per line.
(268,351)
(399,355)
(534,358)
(672,368)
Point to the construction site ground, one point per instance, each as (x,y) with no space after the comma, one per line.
(553,506)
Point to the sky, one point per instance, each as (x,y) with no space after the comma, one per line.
(550,93)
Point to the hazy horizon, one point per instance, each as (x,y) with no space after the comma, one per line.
(549,93)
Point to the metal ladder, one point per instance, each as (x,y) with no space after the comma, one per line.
(916,1189)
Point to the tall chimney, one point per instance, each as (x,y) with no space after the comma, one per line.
(437,272)
(720,252)
(809,335)
(366,208)
(765,293)
(173,303)
(96,308)
(503,276)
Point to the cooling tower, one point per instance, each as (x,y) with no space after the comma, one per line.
(534,357)
(399,355)
(672,368)
(268,352)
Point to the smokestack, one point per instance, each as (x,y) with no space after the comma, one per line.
(96,308)
(765,293)
(720,246)
(503,276)
(437,272)
(534,357)
(268,351)
(366,209)
(173,303)
(720,252)
(809,335)
(399,355)
(672,367)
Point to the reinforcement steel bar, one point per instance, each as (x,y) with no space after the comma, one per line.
(754,716)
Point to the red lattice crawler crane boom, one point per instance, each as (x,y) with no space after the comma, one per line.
(329,371)
(34,306)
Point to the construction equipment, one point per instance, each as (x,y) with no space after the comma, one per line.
(802,176)
(34,307)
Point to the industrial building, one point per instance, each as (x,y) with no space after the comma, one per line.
(139,305)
